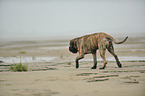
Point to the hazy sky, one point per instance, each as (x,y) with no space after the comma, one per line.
(58,18)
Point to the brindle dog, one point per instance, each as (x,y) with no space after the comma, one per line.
(90,43)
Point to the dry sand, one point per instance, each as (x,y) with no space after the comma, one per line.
(58,77)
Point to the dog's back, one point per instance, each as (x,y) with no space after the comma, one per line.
(91,41)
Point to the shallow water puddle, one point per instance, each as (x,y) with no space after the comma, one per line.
(123,58)
(25,59)
(52,47)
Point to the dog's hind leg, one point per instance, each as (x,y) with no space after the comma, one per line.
(111,50)
(102,53)
(95,60)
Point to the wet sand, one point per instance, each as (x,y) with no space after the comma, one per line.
(58,77)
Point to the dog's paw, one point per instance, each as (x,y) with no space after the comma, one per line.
(101,68)
(119,65)
(77,66)
(94,67)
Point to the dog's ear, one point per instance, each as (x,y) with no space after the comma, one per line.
(72,42)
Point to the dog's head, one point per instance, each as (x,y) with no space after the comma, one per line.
(73,46)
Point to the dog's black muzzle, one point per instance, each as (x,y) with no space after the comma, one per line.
(73,50)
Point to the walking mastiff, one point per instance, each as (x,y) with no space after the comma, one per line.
(90,43)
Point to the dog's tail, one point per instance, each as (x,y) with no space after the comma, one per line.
(120,42)
(116,42)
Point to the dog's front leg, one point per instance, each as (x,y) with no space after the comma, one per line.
(81,56)
(81,52)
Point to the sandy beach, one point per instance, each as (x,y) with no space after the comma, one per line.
(34,47)
(51,70)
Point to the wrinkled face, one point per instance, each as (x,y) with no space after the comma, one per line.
(72,47)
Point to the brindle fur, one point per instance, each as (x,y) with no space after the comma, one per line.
(91,43)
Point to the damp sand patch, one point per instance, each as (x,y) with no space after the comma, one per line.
(130,79)
(43,69)
(98,79)
(86,74)
(101,78)
(131,82)
(124,71)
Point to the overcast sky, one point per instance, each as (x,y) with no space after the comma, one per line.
(63,18)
